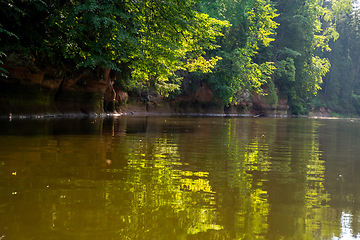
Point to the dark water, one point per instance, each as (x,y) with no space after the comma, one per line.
(179,178)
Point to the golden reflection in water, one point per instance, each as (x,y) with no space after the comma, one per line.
(317,198)
(158,186)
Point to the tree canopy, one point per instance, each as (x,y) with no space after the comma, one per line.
(275,48)
(154,39)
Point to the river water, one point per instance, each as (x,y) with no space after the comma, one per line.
(145,177)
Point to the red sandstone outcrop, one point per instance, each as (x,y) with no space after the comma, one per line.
(86,93)
(22,75)
(204,94)
(261,107)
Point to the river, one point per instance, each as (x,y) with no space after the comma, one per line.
(179,177)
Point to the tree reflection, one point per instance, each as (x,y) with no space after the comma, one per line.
(174,178)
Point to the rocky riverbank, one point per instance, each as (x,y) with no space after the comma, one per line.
(30,91)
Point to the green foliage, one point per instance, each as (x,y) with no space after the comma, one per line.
(268,47)
(356,100)
(340,87)
(271,93)
(169,45)
(315,71)
(153,39)
(93,33)
(237,72)
(3,71)
(285,75)
(26,20)
(3,31)
(306,28)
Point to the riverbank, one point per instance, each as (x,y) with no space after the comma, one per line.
(34,92)
(313,115)
(161,108)
(139,112)
(44,94)
(165,108)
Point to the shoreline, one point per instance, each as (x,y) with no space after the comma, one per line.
(130,113)
(95,115)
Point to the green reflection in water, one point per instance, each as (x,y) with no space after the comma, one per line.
(171,178)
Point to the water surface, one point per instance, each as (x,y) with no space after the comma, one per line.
(142,177)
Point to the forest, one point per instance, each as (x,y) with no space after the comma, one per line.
(305,51)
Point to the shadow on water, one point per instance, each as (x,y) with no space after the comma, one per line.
(51,126)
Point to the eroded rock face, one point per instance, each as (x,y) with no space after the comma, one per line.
(121,96)
(262,108)
(22,75)
(113,96)
(201,102)
(204,94)
(28,90)
(25,91)
(47,92)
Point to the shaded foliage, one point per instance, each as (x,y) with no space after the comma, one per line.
(340,90)
(154,39)
(274,48)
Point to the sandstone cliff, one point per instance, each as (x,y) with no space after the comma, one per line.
(30,90)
